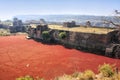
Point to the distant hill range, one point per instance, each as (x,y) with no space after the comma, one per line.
(79,19)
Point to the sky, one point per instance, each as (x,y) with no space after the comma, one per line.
(11,8)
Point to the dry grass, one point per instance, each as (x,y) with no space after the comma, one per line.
(4,32)
(82,29)
(80,76)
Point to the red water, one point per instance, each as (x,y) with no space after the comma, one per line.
(19,57)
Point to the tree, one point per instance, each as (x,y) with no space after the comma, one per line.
(117,12)
(88,24)
(62,35)
(45,35)
(117,18)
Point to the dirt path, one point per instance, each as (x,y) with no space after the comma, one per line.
(19,57)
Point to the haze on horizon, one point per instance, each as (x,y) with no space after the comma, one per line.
(10,8)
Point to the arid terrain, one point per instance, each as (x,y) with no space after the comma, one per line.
(20,56)
(95,30)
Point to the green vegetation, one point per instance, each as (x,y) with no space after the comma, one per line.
(4,32)
(106,70)
(89,75)
(62,35)
(46,35)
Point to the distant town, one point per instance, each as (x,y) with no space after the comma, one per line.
(24,20)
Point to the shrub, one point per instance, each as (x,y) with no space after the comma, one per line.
(62,35)
(75,74)
(89,75)
(78,76)
(25,78)
(45,35)
(4,32)
(29,78)
(106,70)
(65,77)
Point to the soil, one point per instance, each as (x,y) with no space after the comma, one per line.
(20,56)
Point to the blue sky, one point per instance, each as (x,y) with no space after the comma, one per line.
(10,8)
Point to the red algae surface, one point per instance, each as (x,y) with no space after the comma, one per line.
(20,57)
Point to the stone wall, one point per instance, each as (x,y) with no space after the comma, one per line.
(83,40)
(79,40)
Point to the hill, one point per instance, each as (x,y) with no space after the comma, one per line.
(79,19)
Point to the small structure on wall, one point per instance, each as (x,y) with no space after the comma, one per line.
(88,24)
(69,24)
